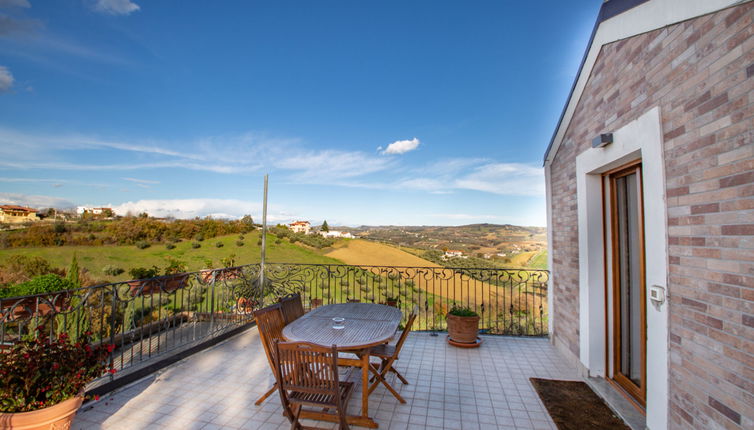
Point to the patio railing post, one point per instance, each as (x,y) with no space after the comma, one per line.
(113,303)
(212,303)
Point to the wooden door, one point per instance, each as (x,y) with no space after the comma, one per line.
(628,281)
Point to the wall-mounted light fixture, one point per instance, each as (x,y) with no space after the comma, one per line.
(602,140)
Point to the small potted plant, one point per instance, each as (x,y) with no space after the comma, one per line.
(463,327)
(43,379)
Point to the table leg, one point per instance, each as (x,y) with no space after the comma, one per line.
(365,383)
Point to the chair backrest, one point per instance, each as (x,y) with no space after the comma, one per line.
(270,323)
(308,368)
(292,307)
(406,330)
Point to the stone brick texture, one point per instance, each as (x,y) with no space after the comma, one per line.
(701,74)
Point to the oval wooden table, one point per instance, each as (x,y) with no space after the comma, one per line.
(366,325)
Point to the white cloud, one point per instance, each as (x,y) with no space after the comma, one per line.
(116,7)
(401,146)
(191,208)
(505,179)
(34,201)
(6,79)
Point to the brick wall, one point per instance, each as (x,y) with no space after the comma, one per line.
(701,74)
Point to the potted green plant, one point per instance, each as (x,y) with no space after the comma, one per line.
(463,327)
(392,301)
(43,379)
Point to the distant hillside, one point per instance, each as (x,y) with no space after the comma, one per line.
(491,241)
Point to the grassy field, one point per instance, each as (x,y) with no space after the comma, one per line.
(94,258)
(539,261)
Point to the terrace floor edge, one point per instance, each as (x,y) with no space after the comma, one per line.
(145,371)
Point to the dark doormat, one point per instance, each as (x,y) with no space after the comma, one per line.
(574,406)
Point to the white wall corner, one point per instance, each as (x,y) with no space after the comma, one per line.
(548,198)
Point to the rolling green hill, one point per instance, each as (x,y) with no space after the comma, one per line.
(95,258)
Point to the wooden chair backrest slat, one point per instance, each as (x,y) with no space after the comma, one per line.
(406,330)
(292,307)
(308,368)
(270,323)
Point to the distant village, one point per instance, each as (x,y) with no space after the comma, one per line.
(15,215)
(305,227)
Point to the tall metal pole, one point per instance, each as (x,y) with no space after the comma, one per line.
(264,233)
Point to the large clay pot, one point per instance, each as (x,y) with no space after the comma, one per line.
(463,329)
(168,283)
(58,417)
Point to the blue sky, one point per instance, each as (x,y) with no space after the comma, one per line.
(362,112)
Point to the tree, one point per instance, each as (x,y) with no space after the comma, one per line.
(325,227)
(73,272)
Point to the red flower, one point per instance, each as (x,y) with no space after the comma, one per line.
(96,397)
(112,371)
(110,347)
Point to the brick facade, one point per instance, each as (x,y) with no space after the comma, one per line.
(701,75)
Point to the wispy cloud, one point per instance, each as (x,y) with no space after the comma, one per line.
(199,207)
(246,153)
(35,201)
(116,7)
(14,3)
(6,79)
(401,146)
(141,181)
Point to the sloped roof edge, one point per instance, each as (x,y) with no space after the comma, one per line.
(620,19)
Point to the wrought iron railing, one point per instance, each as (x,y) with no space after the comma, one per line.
(149,318)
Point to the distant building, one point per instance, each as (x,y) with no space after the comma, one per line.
(95,211)
(300,227)
(13,214)
(453,253)
(337,234)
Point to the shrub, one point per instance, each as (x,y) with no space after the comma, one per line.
(142,244)
(170,245)
(199,237)
(196,245)
(259,242)
(278,241)
(462,311)
(175,266)
(42,372)
(219,244)
(49,283)
(240,237)
(239,243)
(111,270)
(144,273)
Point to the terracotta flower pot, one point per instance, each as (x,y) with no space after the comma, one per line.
(55,417)
(463,329)
(151,286)
(25,308)
(316,303)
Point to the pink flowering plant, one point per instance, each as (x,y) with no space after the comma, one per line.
(42,372)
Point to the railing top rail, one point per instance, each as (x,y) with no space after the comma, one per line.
(502,269)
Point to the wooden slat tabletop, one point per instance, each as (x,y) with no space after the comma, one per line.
(366,325)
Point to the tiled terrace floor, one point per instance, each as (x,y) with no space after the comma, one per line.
(451,388)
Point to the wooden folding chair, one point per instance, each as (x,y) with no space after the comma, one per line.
(270,323)
(388,354)
(307,375)
(292,307)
